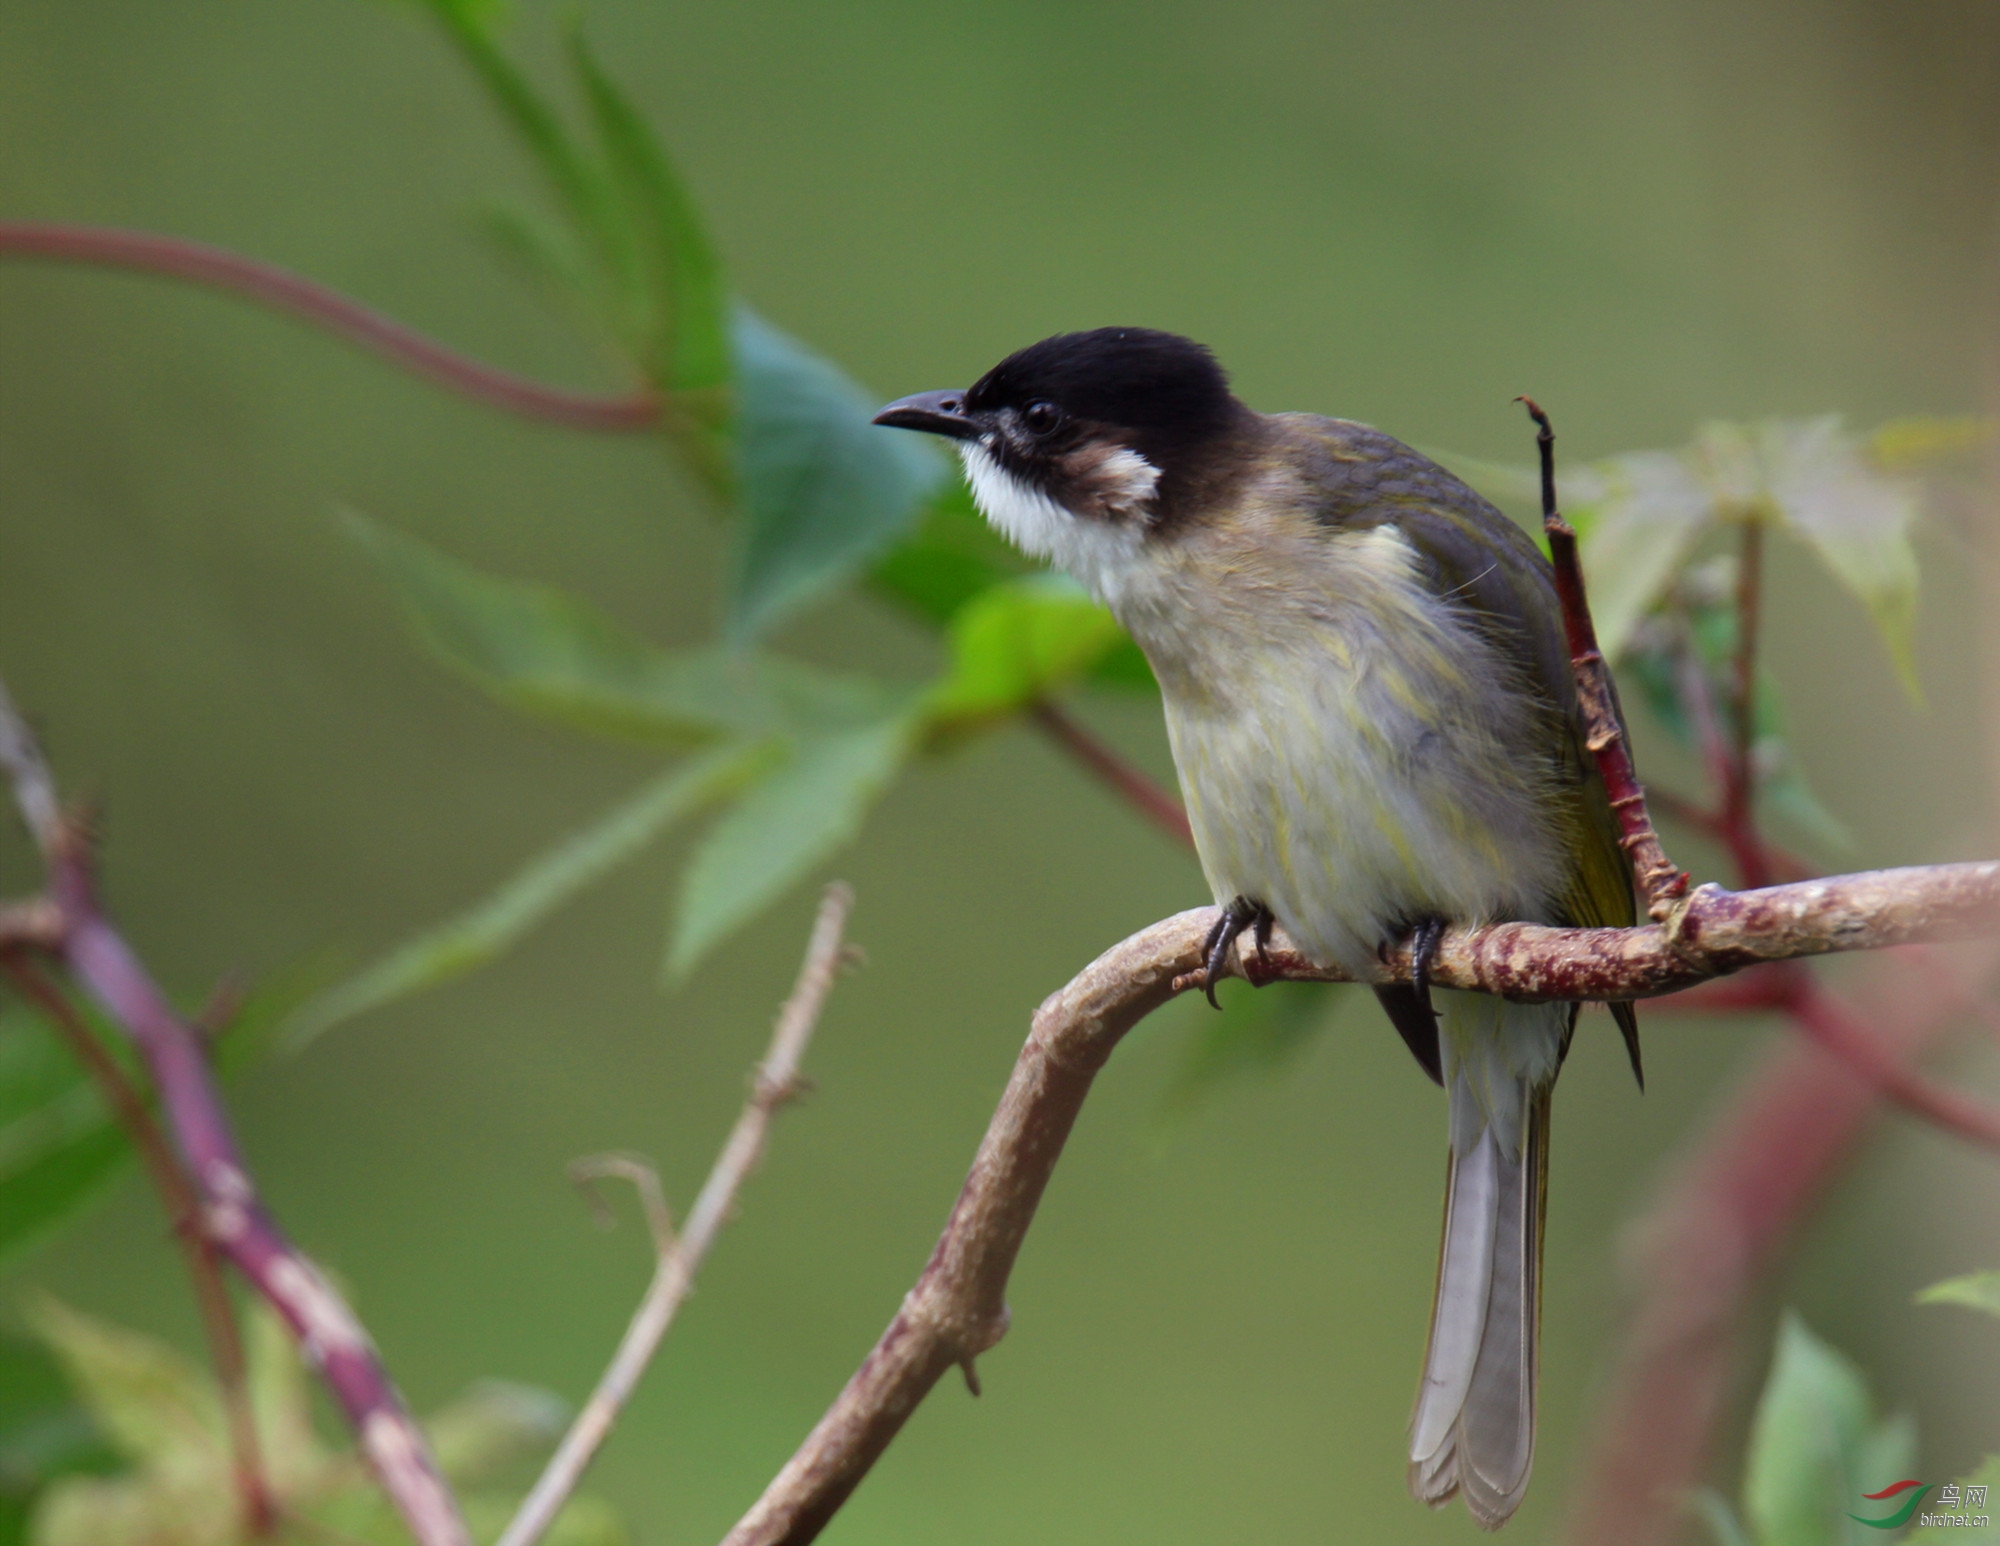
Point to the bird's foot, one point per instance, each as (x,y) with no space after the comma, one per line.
(1240,914)
(1426,934)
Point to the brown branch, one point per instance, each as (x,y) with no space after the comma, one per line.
(232,1215)
(776,1081)
(1158,805)
(218,1316)
(958,1307)
(1660,882)
(173,257)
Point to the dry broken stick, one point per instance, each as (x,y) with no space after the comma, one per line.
(957,1310)
(233,1217)
(776,1081)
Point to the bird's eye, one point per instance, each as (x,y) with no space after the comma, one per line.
(1041,418)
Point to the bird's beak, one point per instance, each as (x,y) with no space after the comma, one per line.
(939,413)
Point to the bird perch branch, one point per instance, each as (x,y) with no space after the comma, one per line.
(957,1310)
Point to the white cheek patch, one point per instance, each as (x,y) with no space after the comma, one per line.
(1105,556)
(1025,516)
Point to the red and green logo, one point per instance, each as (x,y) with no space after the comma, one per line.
(1902,1515)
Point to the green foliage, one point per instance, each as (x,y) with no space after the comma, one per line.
(768,426)
(825,492)
(1685,649)
(1975,1290)
(44,1433)
(810,805)
(1642,515)
(485,930)
(1817,1449)
(58,1145)
(1015,643)
(162,1416)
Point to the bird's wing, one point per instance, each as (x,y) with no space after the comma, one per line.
(1477,558)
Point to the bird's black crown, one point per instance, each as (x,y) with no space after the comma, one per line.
(1137,378)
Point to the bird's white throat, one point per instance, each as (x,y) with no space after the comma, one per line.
(1103,554)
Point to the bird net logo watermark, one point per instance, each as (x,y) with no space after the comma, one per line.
(1953,1511)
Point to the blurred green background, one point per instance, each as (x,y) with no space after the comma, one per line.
(1404,213)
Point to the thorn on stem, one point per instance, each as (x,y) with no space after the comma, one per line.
(971,1374)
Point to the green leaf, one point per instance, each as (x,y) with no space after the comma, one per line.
(687,348)
(44,1433)
(951,557)
(552,654)
(1815,1448)
(824,491)
(1988,1534)
(586,192)
(58,1145)
(480,934)
(153,1405)
(1639,516)
(546,256)
(1017,642)
(1975,1290)
(495,1425)
(799,814)
(1856,517)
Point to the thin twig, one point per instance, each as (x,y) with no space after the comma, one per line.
(1157,804)
(232,1216)
(173,257)
(775,1082)
(1661,883)
(183,1208)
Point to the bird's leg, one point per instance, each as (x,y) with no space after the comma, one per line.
(1240,914)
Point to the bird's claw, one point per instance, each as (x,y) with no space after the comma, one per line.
(1240,914)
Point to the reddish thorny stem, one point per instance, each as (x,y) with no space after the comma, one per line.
(232,1216)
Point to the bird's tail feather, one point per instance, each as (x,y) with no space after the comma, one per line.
(1473,1431)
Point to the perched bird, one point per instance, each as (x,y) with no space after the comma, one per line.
(1376,730)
